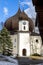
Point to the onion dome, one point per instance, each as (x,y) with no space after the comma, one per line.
(12,23)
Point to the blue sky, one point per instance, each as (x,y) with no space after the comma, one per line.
(9,8)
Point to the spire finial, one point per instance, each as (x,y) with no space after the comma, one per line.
(19,4)
(22,4)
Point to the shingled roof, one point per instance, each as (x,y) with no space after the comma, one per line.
(35,34)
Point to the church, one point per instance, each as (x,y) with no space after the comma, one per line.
(25,41)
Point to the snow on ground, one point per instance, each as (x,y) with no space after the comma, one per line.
(10,61)
(7,63)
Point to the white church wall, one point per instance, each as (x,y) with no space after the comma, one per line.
(24,43)
(23,23)
(14,42)
(42,50)
(36,45)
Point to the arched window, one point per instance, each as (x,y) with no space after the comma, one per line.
(24,27)
(15,40)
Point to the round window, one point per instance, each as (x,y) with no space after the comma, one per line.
(37,40)
(24,23)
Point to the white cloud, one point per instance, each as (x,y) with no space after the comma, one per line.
(5,10)
(31,10)
(27,3)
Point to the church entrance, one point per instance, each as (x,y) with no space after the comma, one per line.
(24,52)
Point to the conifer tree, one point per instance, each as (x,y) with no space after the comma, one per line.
(5,42)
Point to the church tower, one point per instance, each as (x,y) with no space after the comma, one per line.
(23,35)
(24,38)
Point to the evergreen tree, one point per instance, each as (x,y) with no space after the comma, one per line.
(5,42)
